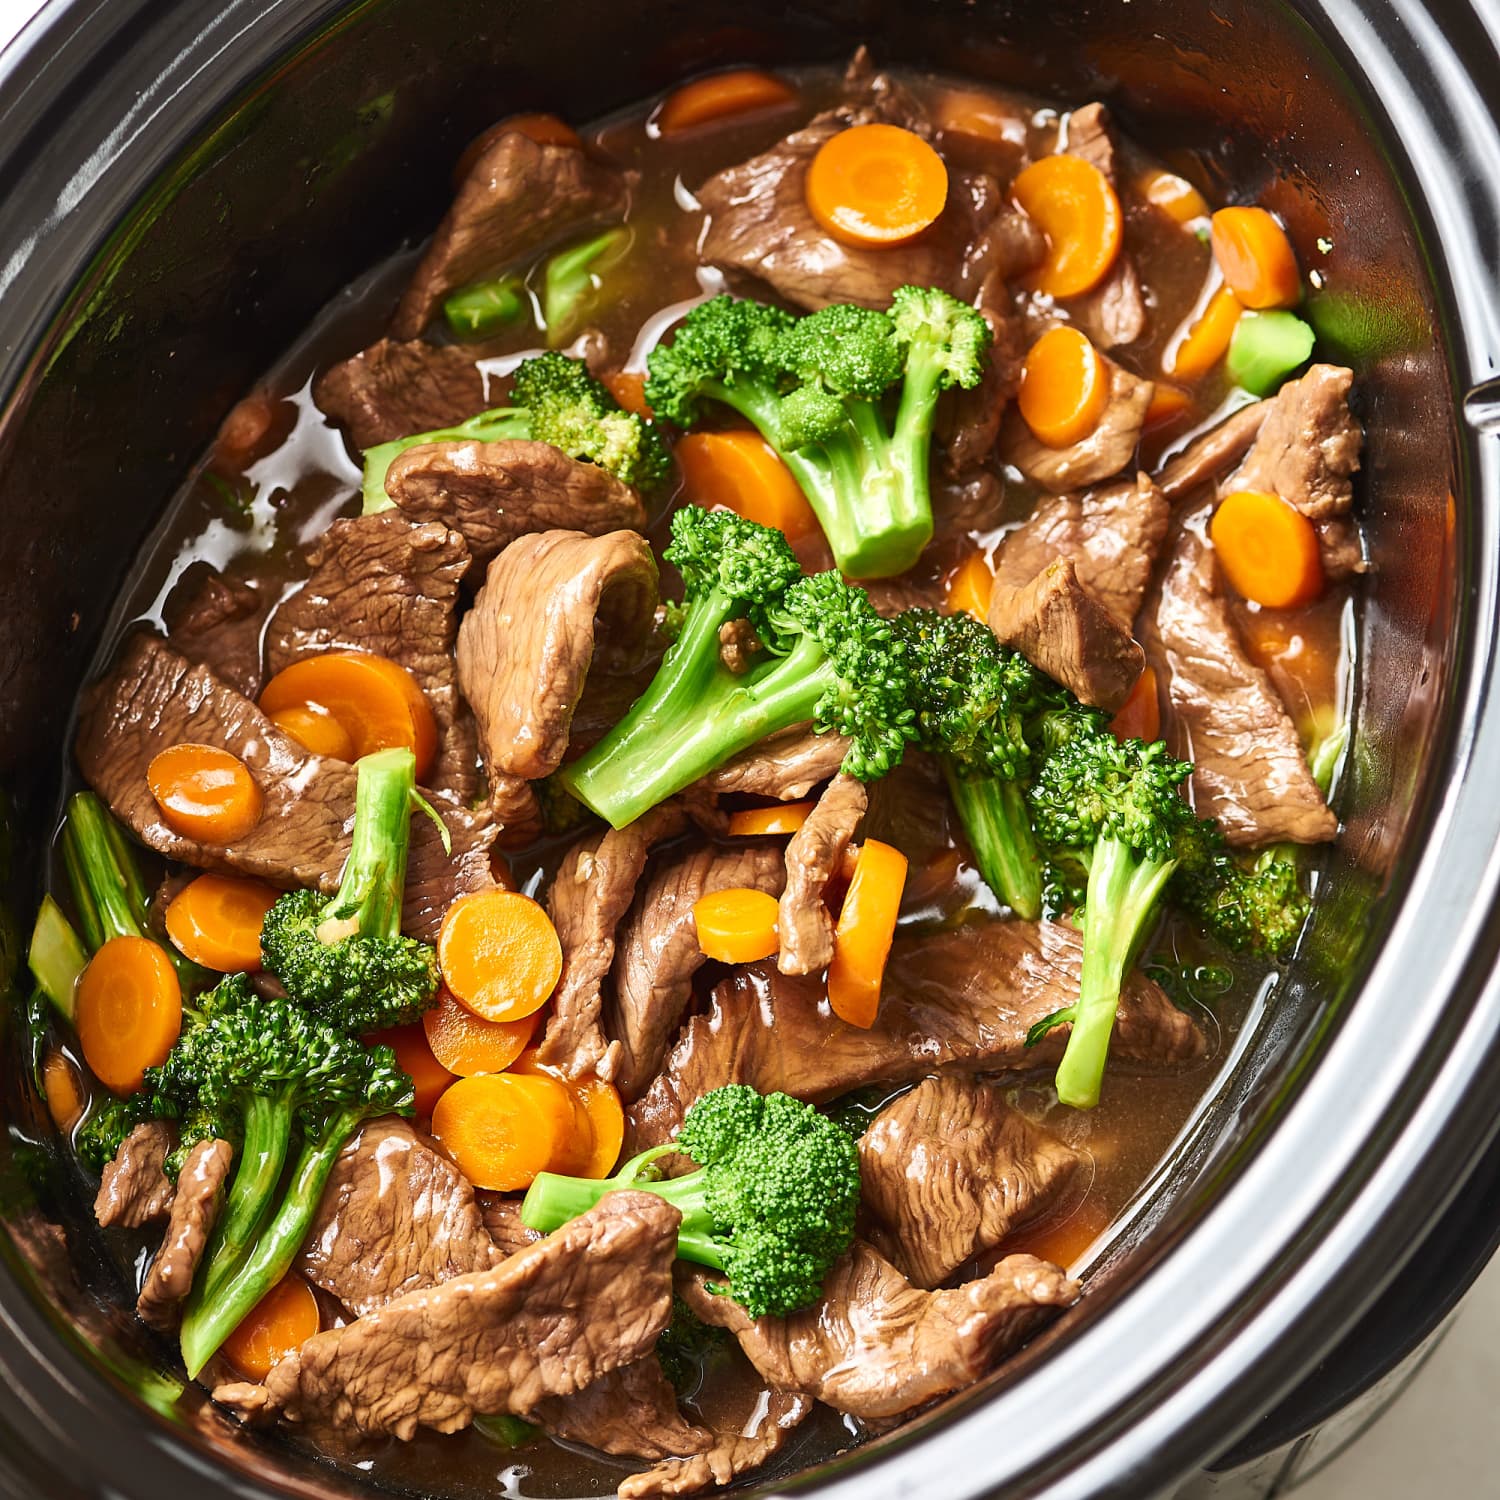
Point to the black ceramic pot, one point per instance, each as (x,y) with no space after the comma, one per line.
(187,181)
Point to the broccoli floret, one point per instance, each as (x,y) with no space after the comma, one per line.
(1262,909)
(103,1132)
(829,658)
(556,401)
(344,957)
(772,1203)
(816,389)
(687,1344)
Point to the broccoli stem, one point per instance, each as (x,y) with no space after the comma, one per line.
(998,824)
(485,307)
(56,957)
(571,275)
(499,424)
(374,879)
(1124,893)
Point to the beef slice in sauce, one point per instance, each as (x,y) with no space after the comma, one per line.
(1098,456)
(134,1188)
(813,855)
(216,621)
(396,389)
(786,766)
(195,1210)
(631,1412)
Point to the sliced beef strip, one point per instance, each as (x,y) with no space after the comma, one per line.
(951,1169)
(216,621)
(1100,455)
(394,390)
(876,1346)
(969,420)
(957,1000)
(813,855)
(657,953)
(1224,714)
(153,698)
(587,900)
(396,1216)
(1211,455)
(502,1220)
(549,1321)
(384,585)
(134,1188)
(493,493)
(786,766)
(525,648)
(195,1210)
(630,1412)
(1061,628)
(518,198)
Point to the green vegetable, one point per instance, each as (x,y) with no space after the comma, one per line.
(506,1431)
(1265,348)
(829,658)
(343,957)
(477,311)
(557,401)
(815,387)
(56,956)
(686,1345)
(572,275)
(772,1203)
(102,1133)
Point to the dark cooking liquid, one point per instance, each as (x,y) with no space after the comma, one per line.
(255,516)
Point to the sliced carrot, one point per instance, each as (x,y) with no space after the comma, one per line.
(969,586)
(1139,716)
(862,938)
(628,387)
(316,730)
(1268,549)
(1257,258)
(205,793)
(721,95)
(414,1057)
(216,921)
(1202,345)
(1062,1241)
(499,954)
(504,1128)
(1175,196)
(736,926)
(1073,204)
(1064,388)
(544,129)
(467,1044)
(129,1011)
(981,116)
(740,471)
(874,185)
(781,817)
(378,702)
(606,1115)
(1169,403)
(283,1320)
(64,1089)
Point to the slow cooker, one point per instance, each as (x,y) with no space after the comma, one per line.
(186,182)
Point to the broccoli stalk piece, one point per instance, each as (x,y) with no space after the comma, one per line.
(344,957)
(556,401)
(815,388)
(56,956)
(571,277)
(772,1203)
(830,658)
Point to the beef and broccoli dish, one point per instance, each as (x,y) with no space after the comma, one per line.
(701,781)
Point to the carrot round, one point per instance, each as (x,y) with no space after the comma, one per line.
(283,1320)
(204,793)
(499,954)
(1169,404)
(128,1011)
(969,586)
(1268,549)
(1256,258)
(316,730)
(63,1088)
(628,387)
(1073,204)
(874,185)
(721,95)
(1064,388)
(467,1044)
(1139,716)
(1175,196)
(504,1128)
(414,1057)
(780,817)
(736,926)
(1206,341)
(740,471)
(378,702)
(216,921)
(862,938)
(606,1116)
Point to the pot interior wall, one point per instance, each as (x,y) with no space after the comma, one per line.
(329,157)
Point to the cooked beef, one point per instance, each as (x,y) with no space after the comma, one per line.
(1211,455)
(876,1346)
(518,198)
(1103,453)
(960,506)
(549,1321)
(951,1169)
(739,646)
(383,585)
(657,952)
(216,622)
(494,492)
(631,1412)
(956,1000)
(525,648)
(814,855)
(134,1188)
(396,1216)
(394,390)
(195,1209)
(786,766)
(969,421)
(1223,713)
(152,698)
(587,901)
(502,1218)
(890,597)
(1058,626)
